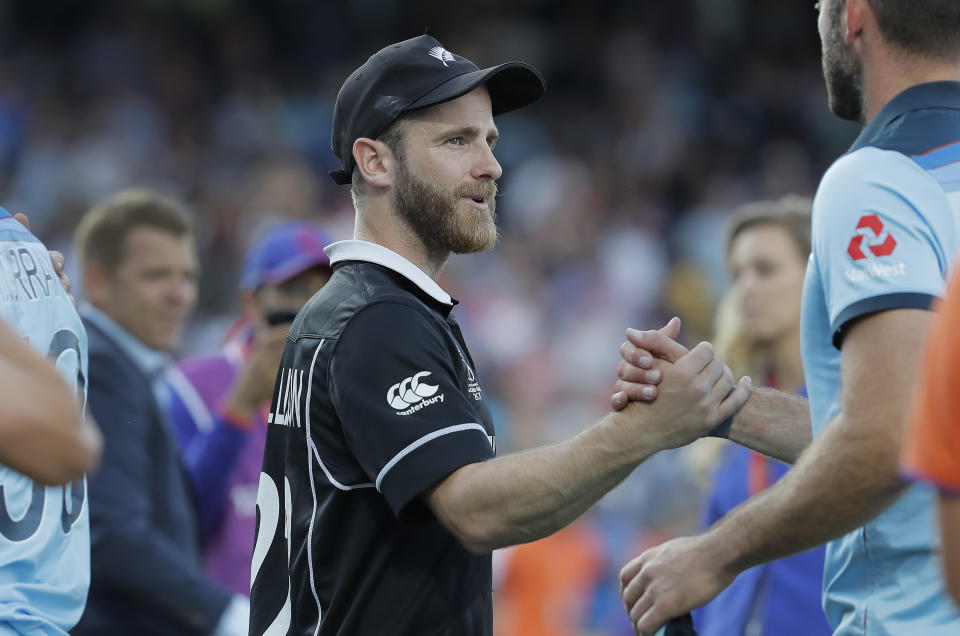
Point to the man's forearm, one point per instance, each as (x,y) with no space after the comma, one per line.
(526,496)
(845,479)
(42,429)
(775,424)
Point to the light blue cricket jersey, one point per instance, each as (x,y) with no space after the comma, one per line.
(886,228)
(44,531)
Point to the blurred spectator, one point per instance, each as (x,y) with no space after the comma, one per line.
(139,265)
(219,402)
(758,334)
(546,585)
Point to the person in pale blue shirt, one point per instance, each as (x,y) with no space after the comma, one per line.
(886,227)
(44,529)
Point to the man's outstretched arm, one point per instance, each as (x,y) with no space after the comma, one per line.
(847,477)
(773,423)
(529,495)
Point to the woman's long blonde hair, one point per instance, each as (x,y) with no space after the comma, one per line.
(733,345)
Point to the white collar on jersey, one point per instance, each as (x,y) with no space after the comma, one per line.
(374,253)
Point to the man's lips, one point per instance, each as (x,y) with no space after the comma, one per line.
(479,202)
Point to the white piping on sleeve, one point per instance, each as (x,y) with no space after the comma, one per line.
(423,440)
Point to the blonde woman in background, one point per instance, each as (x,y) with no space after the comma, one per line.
(758,334)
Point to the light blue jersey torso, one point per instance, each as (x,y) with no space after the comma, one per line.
(886,228)
(44,531)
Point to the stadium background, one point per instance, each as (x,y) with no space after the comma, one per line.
(659,119)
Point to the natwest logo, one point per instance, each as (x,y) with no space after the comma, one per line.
(873,236)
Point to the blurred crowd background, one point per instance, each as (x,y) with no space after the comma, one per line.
(660,118)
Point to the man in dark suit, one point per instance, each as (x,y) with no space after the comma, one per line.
(139,269)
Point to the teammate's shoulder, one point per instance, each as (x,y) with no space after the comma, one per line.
(870,168)
(392,324)
(13,230)
(867,162)
(350,291)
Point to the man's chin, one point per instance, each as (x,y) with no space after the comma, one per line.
(164,342)
(848,109)
(480,240)
(475,248)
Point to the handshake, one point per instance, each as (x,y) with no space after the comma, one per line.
(672,397)
(679,395)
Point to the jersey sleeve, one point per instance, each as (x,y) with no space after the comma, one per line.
(932,445)
(403,411)
(878,226)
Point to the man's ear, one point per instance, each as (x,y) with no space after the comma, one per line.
(855,17)
(375,161)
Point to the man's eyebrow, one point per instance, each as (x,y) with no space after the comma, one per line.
(468,131)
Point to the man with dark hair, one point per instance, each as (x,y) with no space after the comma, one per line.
(930,28)
(884,235)
(381,497)
(139,269)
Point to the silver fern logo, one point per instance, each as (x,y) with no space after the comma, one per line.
(441,54)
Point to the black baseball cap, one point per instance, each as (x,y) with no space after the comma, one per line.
(415,74)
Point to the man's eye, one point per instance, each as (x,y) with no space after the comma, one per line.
(455,141)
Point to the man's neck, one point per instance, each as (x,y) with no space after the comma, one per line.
(889,72)
(385,227)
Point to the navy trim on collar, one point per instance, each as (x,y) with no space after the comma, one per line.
(928,95)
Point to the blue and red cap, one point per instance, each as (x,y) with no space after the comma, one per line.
(284,252)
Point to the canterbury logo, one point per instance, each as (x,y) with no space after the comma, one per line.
(441,54)
(410,391)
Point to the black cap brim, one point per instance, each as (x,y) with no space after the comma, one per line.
(511,85)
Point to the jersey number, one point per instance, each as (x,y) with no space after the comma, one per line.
(63,341)
(268,513)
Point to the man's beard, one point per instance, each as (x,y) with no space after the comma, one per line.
(433,215)
(842,73)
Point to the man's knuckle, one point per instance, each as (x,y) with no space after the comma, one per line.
(699,386)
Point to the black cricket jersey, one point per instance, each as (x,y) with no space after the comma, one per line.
(376,400)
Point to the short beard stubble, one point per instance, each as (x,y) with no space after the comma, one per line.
(841,72)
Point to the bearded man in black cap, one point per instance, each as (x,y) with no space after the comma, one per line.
(381,497)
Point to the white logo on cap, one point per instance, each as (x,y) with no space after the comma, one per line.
(441,54)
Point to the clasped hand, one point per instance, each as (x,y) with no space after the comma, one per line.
(675,577)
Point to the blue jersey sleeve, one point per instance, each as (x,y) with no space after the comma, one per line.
(879,228)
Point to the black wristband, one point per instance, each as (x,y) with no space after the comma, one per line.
(722,429)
